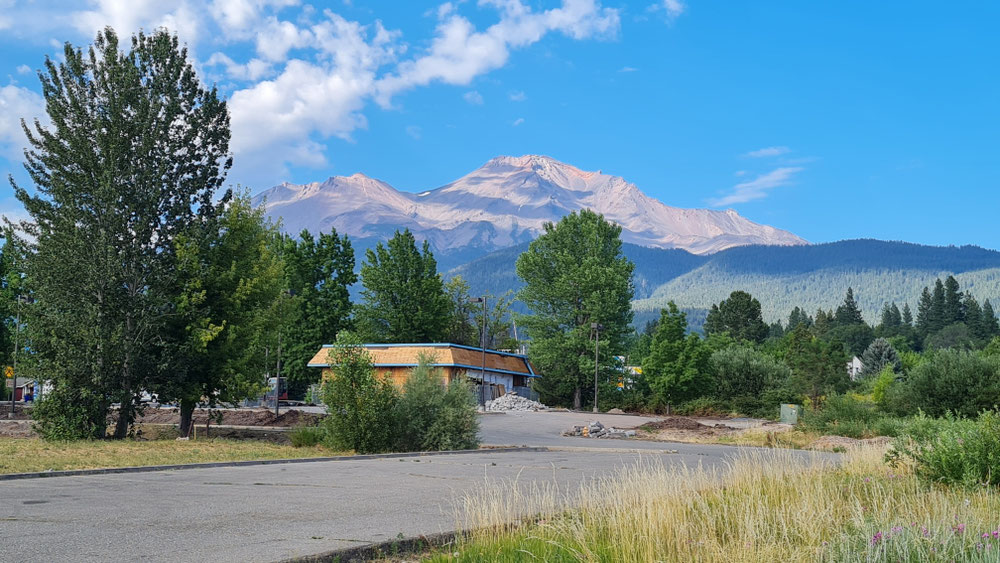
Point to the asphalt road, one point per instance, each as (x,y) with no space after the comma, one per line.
(273,512)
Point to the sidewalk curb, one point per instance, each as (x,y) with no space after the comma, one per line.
(374,551)
(248,463)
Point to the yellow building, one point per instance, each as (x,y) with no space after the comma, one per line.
(504,371)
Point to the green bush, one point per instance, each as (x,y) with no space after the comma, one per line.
(306,436)
(361,406)
(68,413)
(432,415)
(850,416)
(703,406)
(961,452)
(958,381)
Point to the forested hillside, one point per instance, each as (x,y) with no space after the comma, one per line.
(780,277)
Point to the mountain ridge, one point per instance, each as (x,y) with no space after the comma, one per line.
(505,202)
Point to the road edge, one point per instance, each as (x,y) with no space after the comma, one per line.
(373,551)
(252,462)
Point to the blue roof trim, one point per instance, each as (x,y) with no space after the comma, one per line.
(437,345)
(530,373)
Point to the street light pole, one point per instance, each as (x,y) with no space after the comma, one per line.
(597,343)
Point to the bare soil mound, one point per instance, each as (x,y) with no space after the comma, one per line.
(235,417)
(674,423)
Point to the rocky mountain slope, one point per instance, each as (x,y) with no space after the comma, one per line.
(503,203)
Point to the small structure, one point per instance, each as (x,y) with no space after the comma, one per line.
(505,371)
(854,367)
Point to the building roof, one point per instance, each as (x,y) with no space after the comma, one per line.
(446,355)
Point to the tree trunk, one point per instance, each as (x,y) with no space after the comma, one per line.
(125,416)
(187,414)
(577,399)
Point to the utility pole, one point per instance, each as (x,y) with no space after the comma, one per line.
(482,342)
(277,377)
(597,343)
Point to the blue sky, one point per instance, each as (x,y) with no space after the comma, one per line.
(831,120)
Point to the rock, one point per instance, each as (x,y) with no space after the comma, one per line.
(616,411)
(629,433)
(513,402)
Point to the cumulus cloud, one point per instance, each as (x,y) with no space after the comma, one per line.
(473,97)
(674,8)
(23,69)
(757,188)
(768,151)
(517,122)
(414,131)
(311,74)
(17,103)
(517,96)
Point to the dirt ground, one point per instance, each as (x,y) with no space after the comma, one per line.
(21,412)
(233,417)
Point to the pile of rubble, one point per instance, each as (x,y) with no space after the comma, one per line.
(597,430)
(514,402)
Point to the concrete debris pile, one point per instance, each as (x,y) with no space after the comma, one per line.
(514,402)
(597,430)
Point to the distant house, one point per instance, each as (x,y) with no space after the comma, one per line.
(854,367)
(505,371)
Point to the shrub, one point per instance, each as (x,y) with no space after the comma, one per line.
(306,436)
(68,413)
(962,451)
(952,380)
(703,406)
(851,416)
(434,416)
(744,372)
(361,406)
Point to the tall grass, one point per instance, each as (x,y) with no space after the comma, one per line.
(764,506)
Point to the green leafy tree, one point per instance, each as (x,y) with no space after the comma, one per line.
(403,297)
(575,274)
(361,406)
(467,317)
(677,367)
(879,356)
(319,272)
(953,380)
(225,312)
(740,316)
(741,371)
(818,367)
(135,155)
(955,335)
(434,414)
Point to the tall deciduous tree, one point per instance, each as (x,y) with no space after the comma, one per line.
(575,274)
(225,307)
(319,272)
(740,316)
(135,155)
(403,299)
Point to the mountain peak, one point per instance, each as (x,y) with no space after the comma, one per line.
(507,201)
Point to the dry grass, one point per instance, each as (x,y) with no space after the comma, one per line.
(766,506)
(27,455)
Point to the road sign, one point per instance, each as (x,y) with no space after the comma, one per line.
(8,372)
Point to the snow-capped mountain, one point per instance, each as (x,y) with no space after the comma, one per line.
(506,202)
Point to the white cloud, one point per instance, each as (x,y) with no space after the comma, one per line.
(459,52)
(17,103)
(758,187)
(23,69)
(768,151)
(128,16)
(413,131)
(473,97)
(628,69)
(253,70)
(517,96)
(674,8)
(517,122)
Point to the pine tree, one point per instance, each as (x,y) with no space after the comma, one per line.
(953,312)
(990,326)
(797,317)
(849,313)
(907,315)
(877,357)
(403,296)
(925,312)
(973,316)
(939,313)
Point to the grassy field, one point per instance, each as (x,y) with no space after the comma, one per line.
(767,506)
(32,454)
